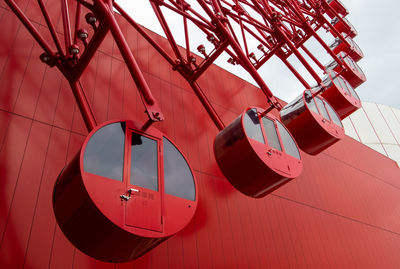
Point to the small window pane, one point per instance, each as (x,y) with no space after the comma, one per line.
(288,142)
(352,91)
(252,126)
(311,103)
(342,84)
(144,165)
(104,153)
(178,179)
(322,109)
(271,134)
(333,115)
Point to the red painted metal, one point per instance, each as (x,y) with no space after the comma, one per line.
(352,72)
(337,6)
(313,124)
(125,220)
(341,212)
(340,95)
(41,130)
(342,25)
(240,156)
(351,48)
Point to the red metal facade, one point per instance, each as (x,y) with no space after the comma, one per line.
(342,212)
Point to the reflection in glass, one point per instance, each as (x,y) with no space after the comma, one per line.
(322,109)
(353,92)
(104,153)
(178,179)
(310,102)
(252,126)
(288,142)
(333,115)
(144,165)
(271,134)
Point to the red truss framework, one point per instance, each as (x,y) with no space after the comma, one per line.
(281,27)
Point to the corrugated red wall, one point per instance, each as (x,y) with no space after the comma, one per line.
(342,212)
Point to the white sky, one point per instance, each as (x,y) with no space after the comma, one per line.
(378,27)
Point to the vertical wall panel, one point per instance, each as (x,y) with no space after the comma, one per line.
(21,211)
(11,157)
(43,224)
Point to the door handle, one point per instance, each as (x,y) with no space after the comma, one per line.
(131,190)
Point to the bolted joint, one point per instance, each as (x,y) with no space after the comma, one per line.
(82,34)
(232,61)
(45,58)
(73,49)
(201,49)
(253,56)
(91,20)
(192,59)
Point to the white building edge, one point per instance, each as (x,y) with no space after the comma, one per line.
(378,127)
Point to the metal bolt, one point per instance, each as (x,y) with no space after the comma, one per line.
(201,49)
(90,18)
(82,34)
(74,49)
(210,38)
(44,58)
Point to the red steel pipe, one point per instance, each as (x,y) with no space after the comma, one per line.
(294,71)
(29,26)
(83,104)
(144,34)
(66,25)
(126,53)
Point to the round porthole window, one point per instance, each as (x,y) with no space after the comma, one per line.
(126,191)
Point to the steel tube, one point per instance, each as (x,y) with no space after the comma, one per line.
(126,53)
(83,104)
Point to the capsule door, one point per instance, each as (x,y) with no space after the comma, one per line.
(142,177)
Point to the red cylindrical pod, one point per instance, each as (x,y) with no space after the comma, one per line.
(338,7)
(257,154)
(312,122)
(344,26)
(126,191)
(351,72)
(353,51)
(340,95)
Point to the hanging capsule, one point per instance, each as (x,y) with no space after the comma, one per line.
(312,122)
(351,72)
(257,154)
(344,26)
(353,51)
(126,191)
(338,6)
(340,95)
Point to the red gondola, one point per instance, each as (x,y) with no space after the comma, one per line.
(257,147)
(126,191)
(352,72)
(353,51)
(340,95)
(338,7)
(344,26)
(313,122)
